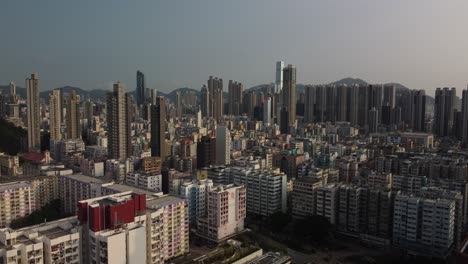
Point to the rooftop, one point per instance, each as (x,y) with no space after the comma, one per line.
(84,178)
(15,185)
(156,201)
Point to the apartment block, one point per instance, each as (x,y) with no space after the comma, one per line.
(304,196)
(52,242)
(167,228)
(151,165)
(326,202)
(424,226)
(130,227)
(114,226)
(147,181)
(77,187)
(226,211)
(266,190)
(16,200)
(196,194)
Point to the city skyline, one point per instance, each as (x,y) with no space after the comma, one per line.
(330,41)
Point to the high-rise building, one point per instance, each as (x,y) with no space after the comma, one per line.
(342,103)
(353,104)
(289,92)
(73,116)
(140,88)
(266,190)
(223,146)
(17,201)
(235,98)
(331,107)
(158,128)
(34,117)
(178,104)
(424,226)
(309,104)
(196,192)
(444,111)
(320,103)
(117,123)
(373,120)
(279,76)
(226,211)
(55,115)
(216,101)
(49,242)
(389,95)
(267,110)
(464,117)
(363,103)
(419,110)
(205,101)
(249,103)
(130,227)
(206,152)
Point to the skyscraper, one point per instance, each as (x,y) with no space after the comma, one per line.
(341,103)
(289,92)
(55,115)
(279,76)
(363,102)
(267,110)
(389,95)
(158,128)
(419,109)
(205,101)
(235,98)
(320,103)
(309,104)
(373,120)
(223,146)
(179,106)
(73,116)
(117,123)
(250,102)
(443,111)
(464,117)
(215,88)
(34,118)
(330,109)
(140,88)
(353,103)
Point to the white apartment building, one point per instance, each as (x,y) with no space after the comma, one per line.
(226,211)
(266,190)
(424,226)
(16,201)
(145,181)
(327,202)
(53,242)
(196,194)
(133,228)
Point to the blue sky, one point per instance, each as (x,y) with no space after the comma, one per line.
(422,44)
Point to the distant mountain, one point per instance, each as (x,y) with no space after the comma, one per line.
(99,94)
(350,81)
(172,95)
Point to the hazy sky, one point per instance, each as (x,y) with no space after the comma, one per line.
(91,43)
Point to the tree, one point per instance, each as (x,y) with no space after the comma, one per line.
(312,229)
(277,221)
